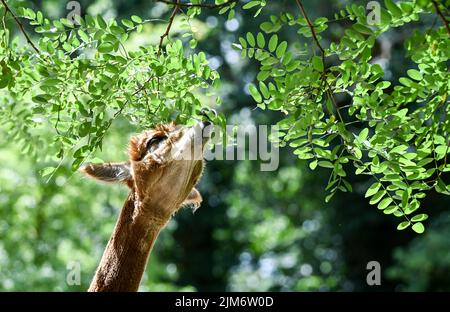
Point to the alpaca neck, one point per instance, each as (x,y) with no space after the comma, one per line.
(125,257)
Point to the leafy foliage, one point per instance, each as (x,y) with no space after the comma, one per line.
(77,78)
(45,226)
(402,140)
(79,81)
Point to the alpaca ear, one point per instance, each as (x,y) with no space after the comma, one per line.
(109,172)
(194,199)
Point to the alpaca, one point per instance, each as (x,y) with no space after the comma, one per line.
(165,164)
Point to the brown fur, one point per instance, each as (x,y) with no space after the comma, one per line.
(159,187)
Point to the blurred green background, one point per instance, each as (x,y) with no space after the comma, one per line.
(256,231)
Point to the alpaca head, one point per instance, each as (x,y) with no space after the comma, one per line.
(165,164)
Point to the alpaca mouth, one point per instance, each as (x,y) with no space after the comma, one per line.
(192,143)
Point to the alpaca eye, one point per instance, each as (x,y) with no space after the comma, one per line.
(152,144)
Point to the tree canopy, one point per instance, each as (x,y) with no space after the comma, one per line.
(359,92)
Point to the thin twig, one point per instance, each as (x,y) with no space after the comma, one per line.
(316,40)
(20,26)
(311,27)
(169,25)
(333,100)
(439,12)
(118,112)
(200,5)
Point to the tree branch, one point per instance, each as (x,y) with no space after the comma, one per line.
(169,25)
(20,26)
(322,51)
(439,12)
(311,27)
(199,5)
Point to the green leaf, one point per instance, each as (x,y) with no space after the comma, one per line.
(30,13)
(357,152)
(441,187)
(76,163)
(363,29)
(386,17)
(268,27)
(419,217)
(243,42)
(101,22)
(317,63)
(363,135)
(281,49)
(116,30)
(313,164)
(192,43)
(4,81)
(383,85)
(329,196)
(441,150)
(372,189)
(231,14)
(403,225)
(263,75)
(414,74)
(264,90)
(47,171)
(273,42)
(405,198)
(418,227)
(390,209)
(251,4)
(399,149)
(325,164)
(66,22)
(393,8)
(83,35)
(250,39)
(384,203)
(127,23)
(377,197)
(39,17)
(40,99)
(224,10)
(255,93)
(105,47)
(260,40)
(112,69)
(136,19)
